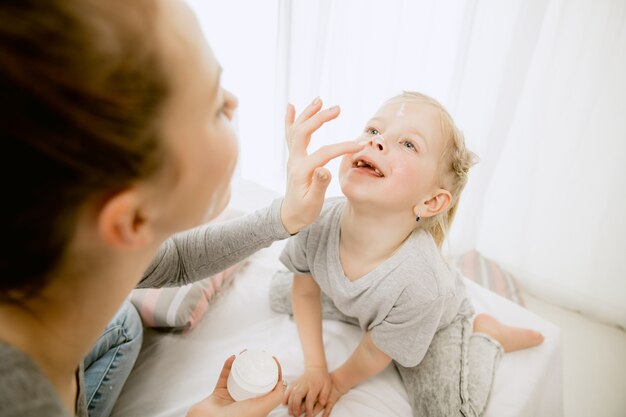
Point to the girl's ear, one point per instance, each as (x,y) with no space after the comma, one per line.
(436,204)
(122,222)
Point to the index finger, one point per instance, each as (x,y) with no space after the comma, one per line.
(221,382)
(329,152)
(280,375)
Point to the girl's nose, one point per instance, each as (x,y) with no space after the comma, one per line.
(378,142)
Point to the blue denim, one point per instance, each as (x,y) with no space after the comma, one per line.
(110,361)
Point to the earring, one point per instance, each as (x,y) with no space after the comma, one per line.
(417,218)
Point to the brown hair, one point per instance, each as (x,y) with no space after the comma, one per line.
(454,165)
(82,86)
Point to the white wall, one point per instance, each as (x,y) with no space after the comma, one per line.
(538,87)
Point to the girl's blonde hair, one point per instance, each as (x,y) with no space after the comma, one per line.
(454,165)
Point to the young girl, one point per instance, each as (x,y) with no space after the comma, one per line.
(376,255)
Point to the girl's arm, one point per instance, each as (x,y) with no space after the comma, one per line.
(366,361)
(315,382)
(307,311)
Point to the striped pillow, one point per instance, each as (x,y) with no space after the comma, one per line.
(181,308)
(489,274)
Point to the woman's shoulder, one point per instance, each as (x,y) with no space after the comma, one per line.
(24,389)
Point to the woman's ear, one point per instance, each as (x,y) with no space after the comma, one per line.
(122,222)
(435,205)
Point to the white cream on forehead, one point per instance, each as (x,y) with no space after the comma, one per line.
(400,112)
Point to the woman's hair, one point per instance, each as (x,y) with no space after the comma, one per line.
(82,86)
(454,165)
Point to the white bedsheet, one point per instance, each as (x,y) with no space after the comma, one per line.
(174,371)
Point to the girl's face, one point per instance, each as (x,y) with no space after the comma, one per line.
(199,141)
(399,168)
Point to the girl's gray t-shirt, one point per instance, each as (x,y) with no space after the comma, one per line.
(188,256)
(403,301)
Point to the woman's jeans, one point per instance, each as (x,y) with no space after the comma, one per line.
(110,361)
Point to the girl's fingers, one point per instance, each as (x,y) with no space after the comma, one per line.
(295,401)
(309,402)
(318,407)
(290,406)
(328,409)
(323,398)
(300,406)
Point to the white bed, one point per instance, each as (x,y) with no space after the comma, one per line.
(176,370)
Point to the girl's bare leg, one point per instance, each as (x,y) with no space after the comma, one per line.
(511,338)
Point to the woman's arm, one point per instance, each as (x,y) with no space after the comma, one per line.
(206,250)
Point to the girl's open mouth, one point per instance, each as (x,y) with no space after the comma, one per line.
(368,166)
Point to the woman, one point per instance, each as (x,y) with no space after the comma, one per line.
(117,135)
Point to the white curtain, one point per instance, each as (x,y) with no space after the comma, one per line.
(538,87)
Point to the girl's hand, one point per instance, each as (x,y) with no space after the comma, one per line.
(336,392)
(220,403)
(312,389)
(307,179)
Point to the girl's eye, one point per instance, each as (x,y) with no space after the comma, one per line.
(408,144)
(372,131)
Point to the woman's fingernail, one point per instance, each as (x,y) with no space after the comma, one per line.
(333,108)
(317,100)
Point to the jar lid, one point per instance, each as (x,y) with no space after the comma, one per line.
(256,368)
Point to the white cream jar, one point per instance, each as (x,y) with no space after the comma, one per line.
(254,373)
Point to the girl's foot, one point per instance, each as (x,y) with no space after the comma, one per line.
(511,338)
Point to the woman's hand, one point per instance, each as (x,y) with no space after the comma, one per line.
(311,390)
(220,403)
(307,179)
